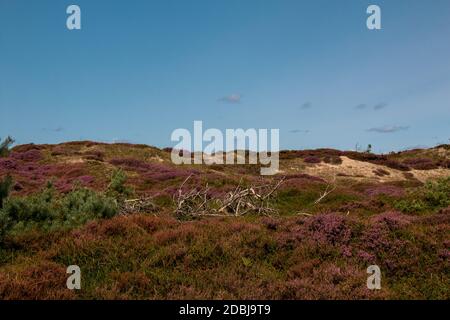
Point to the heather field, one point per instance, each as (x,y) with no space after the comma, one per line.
(140,227)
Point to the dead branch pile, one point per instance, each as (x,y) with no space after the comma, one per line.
(144,205)
(241,201)
(192,203)
(254,199)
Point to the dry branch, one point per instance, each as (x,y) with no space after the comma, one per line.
(238,202)
(144,205)
(329,189)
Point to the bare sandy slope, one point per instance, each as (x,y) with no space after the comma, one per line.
(361,170)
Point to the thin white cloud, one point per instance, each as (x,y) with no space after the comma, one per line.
(232,98)
(388,129)
(57,129)
(299,131)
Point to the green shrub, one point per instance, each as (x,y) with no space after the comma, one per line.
(5,188)
(410,205)
(47,210)
(434,195)
(5,225)
(4,146)
(437,193)
(117,187)
(87,204)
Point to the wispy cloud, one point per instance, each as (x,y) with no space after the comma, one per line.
(380,106)
(361,106)
(232,98)
(388,129)
(57,129)
(306,105)
(299,131)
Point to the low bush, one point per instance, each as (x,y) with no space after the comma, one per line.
(5,187)
(434,195)
(421,163)
(437,193)
(312,159)
(51,210)
(4,146)
(378,159)
(410,206)
(117,187)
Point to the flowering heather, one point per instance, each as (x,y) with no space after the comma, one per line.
(8,164)
(384,160)
(152,171)
(34,175)
(388,190)
(326,259)
(28,156)
(306,250)
(320,153)
(312,159)
(330,228)
(421,163)
(392,219)
(380,238)
(366,256)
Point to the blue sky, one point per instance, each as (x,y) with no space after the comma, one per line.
(137,70)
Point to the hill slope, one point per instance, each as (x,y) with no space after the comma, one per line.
(116,211)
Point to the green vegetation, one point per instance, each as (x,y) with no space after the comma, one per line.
(316,244)
(5,145)
(5,187)
(117,187)
(434,195)
(49,211)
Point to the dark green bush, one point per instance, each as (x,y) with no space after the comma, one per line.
(5,145)
(117,187)
(49,210)
(5,188)
(88,205)
(5,225)
(437,193)
(411,205)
